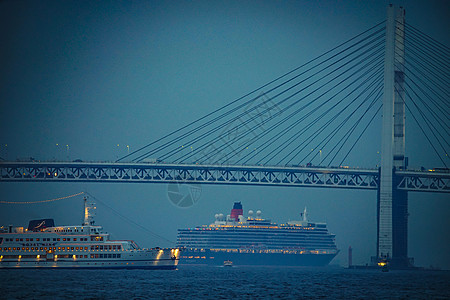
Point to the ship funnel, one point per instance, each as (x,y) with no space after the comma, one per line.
(236,211)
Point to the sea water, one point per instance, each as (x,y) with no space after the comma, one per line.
(224,283)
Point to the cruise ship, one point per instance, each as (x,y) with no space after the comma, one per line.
(257,241)
(45,245)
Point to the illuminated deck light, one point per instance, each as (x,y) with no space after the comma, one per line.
(175,253)
(158,256)
(382,263)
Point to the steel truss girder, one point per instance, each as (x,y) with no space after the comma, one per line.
(424,181)
(218,174)
(170,173)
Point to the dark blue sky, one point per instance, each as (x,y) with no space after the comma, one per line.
(93,75)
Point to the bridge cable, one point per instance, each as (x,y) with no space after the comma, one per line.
(331,135)
(361,134)
(416,80)
(432,112)
(292,139)
(353,128)
(337,129)
(429,71)
(425,57)
(229,104)
(421,128)
(312,123)
(295,112)
(241,125)
(287,130)
(427,121)
(292,126)
(427,50)
(242,114)
(430,40)
(414,69)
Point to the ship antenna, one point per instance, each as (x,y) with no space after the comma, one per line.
(304,215)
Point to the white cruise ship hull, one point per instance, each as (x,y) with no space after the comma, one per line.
(217,257)
(140,259)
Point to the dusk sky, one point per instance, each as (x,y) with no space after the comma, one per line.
(92,80)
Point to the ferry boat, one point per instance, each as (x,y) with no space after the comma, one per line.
(257,241)
(44,245)
(228,263)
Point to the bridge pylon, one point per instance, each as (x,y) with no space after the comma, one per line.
(392,204)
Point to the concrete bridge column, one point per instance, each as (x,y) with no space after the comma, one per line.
(392,203)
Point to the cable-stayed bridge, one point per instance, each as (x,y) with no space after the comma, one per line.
(306,127)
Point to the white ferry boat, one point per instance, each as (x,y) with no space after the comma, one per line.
(44,245)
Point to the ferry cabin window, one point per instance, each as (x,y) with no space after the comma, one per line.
(105,256)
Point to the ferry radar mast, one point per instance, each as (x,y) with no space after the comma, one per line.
(88,212)
(304,215)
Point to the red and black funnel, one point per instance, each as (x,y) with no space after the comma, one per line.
(236,211)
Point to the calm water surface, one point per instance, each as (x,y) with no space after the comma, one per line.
(224,283)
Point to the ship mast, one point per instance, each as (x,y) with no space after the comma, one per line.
(305,219)
(88,213)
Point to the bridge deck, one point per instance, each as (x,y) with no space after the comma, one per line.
(218,174)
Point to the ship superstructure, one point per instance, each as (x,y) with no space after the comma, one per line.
(254,240)
(43,245)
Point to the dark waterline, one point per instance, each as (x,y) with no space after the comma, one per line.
(224,283)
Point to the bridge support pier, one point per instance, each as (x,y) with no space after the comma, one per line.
(399,257)
(400,228)
(392,204)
